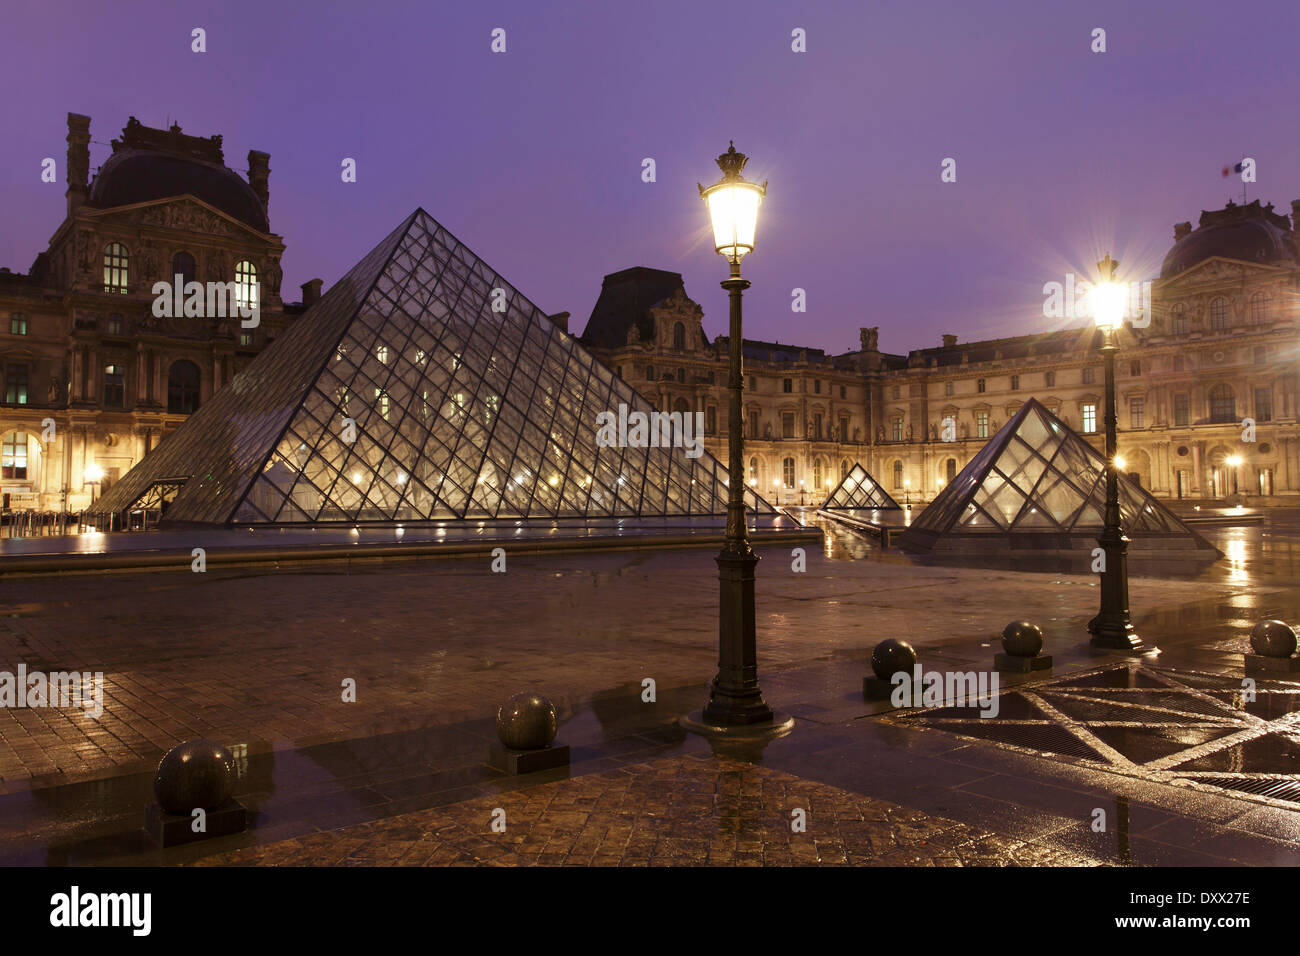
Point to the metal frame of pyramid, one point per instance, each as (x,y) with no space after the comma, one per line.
(462,412)
(859,491)
(1037,484)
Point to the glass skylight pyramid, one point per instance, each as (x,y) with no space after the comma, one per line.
(856,491)
(1036,474)
(466,400)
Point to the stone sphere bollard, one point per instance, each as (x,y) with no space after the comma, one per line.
(1273,639)
(527,722)
(892,656)
(1022,639)
(197,774)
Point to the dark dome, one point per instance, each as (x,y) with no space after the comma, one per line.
(1252,233)
(140,175)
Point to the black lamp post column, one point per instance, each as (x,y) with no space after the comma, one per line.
(735,698)
(1112,628)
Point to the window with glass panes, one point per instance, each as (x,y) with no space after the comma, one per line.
(981,424)
(114,386)
(116,268)
(1182,409)
(1089,417)
(13,456)
(16,383)
(1137,412)
(1263,405)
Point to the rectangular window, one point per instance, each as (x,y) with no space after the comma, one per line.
(16,384)
(844,392)
(844,428)
(1049,379)
(947,388)
(1015,383)
(787,424)
(1137,412)
(1263,405)
(787,385)
(1089,418)
(897,430)
(817,427)
(13,459)
(246,340)
(979,386)
(1135,368)
(711,420)
(753,426)
(817,386)
(1181,410)
(897,393)
(114,386)
(1089,376)
(982,424)
(18,324)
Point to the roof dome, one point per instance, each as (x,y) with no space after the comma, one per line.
(1253,233)
(150,164)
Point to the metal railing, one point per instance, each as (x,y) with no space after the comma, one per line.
(31,523)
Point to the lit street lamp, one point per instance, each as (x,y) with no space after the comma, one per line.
(736,703)
(1112,628)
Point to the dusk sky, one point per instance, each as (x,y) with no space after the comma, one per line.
(533,157)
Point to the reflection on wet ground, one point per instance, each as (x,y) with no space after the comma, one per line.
(1190,772)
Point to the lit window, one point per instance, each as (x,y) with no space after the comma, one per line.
(246,340)
(898,474)
(13,457)
(115,268)
(246,296)
(817,473)
(16,384)
(981,424)
(1089,418)
(897,429)
(114,386)
(381,398)
(18,324)
(787,472)
(381,354)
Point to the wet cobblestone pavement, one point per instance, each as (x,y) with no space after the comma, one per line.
(672,812)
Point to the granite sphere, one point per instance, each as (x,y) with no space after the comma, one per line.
(892,656)
(198,774)
(1022,639)
(1273,639)
(527,722)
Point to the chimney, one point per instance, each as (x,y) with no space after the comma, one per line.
(869,338)
(1295,215)
(78,172)
(1181,229)
(949,341)
(311,291)
(561,320)
(259,171)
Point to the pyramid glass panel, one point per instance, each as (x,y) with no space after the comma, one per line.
(856,491)
(420,387)
(1036,475)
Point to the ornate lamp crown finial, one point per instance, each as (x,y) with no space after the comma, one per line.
(1107,268)
(731,162)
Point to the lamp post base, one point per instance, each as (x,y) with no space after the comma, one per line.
(778,725)
(1116,635)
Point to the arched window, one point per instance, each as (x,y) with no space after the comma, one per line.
(1219,314)
(246,296)
(1178,321)
(116,268)
(898,474)
(1258,308)
(682,405)
(1223,404)
(183,388)
(753,471)
(787,472)
(183,266)
(844,469)
(817,472)
(950,470)
(679,336)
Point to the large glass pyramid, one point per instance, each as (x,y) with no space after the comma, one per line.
(1036,475)
(465,402)
(858,491)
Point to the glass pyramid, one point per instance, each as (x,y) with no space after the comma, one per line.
(858,490)
(465,402)
(1036,474)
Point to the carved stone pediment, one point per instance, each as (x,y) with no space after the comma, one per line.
(188,215)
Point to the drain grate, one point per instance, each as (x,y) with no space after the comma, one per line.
(1276,788)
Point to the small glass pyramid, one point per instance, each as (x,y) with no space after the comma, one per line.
(421,387)
(1036,474)
(857,491)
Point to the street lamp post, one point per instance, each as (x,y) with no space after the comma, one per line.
(1112,628)
(736,703)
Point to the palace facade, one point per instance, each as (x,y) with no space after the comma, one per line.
(1221,347)
(90,379)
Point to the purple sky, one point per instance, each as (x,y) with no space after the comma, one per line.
(533,158)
